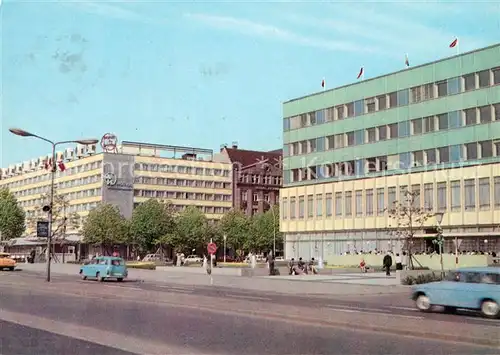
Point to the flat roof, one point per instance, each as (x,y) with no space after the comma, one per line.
(167,147)
(392,73)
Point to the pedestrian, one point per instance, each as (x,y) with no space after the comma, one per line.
(404,261)
(399,262)
(271,265)
(387,264)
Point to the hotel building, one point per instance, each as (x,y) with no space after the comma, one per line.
(350,152)
(133,174)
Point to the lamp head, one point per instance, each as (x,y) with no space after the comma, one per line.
(20,132)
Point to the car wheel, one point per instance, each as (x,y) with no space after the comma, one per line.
(120,279)
(11,268)
(98,277)
(423,303)
(490,309)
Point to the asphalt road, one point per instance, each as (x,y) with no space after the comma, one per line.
(178,330)
(193,331)
(395,304)
(16,339)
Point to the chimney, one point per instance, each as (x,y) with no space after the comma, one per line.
(235,145)
(223,146)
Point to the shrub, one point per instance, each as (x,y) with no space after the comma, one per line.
(421,279)
(142,266)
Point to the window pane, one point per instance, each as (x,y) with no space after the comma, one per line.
(418,158)
(359,107)
(455,119)
(484,193)
(404,129)
(455,153)
(429,124)
(284,209)
(382,102)
(381,201)
(442,88)
(292,208)
(348,203)
(359,137)
(369,202)
(430,155)
(444,154)
(391,196)
(429,196)
(328,203)
(350,109)
(441,196)
(359,203)
(393,130)
(320,116)
(370,105)
(320,144)
(485,114)
(286,124)
(443,121)
(484,78)
(470,116)
(340,112)
(393,99)
(382,133)
(312,118)
(403,97)
(416,198)
(455,196)
(486,149)
(469,82)
(319,205)
(496,76)
(471,149)
(417,126)
(359,167)
(453,86)
(496,192)
(301,206)
(372,135)
(338,204)
(496,113)
(339,141)
(405,160)
(469,194)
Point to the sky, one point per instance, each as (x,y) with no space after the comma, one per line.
(203,73)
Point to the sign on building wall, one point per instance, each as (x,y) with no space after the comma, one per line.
(111,181)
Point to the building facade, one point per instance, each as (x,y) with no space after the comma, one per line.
(350,152)
(136,172)
(257,178)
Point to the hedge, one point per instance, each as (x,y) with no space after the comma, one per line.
(130,265)
(421,279)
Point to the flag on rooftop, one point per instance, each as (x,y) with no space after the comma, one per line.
(361,72)
(454,43)
(407,61)
(323,83)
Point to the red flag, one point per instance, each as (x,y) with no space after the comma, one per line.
(454,43)
(48,164)
(360,73)
(323,83)
(61,166)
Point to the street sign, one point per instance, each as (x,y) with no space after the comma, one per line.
(42,229)
(212,248)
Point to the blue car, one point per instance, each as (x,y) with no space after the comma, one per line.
(466,288)
(105,267)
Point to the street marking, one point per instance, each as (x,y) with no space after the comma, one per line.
(376,312)
(126,287)
(248,297)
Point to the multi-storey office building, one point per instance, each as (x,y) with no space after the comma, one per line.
(137,172)
(350,152)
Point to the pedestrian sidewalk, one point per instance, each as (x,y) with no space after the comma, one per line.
(327,286)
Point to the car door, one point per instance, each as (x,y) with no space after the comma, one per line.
(442,293)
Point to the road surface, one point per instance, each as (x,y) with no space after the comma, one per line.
(73,316)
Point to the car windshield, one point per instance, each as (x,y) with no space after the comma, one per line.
(116,262)
(453,276)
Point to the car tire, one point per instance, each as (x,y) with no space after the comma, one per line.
(98,277)
(423,303)
(120,279)
(490,309)
(11,268)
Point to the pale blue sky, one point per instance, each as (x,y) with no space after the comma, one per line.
(204,73)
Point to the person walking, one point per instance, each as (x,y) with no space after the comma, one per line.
(399,262)
(387,264)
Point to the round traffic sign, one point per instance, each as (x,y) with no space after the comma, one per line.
(212,248)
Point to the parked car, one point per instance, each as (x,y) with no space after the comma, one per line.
(192,259)
(466,288)
(6,262)
(105,267)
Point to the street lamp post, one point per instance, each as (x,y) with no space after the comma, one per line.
(274,226)
(53,168)
(225,240)
(439,239)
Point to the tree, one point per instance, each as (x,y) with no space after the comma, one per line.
(12,216)
(264,229)
(237,227)
(192,230)
(105,227)
(409,218)
(150,221)
(61,217)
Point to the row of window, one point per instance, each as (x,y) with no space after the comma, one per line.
(81,207)
(417,126)
(182,195)
(453,196)
(67,196)
(182,169)
(182,182)
(204,209)
(260,179)
(403,97)
(404,161)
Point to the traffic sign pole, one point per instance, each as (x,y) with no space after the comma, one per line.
(211,262)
